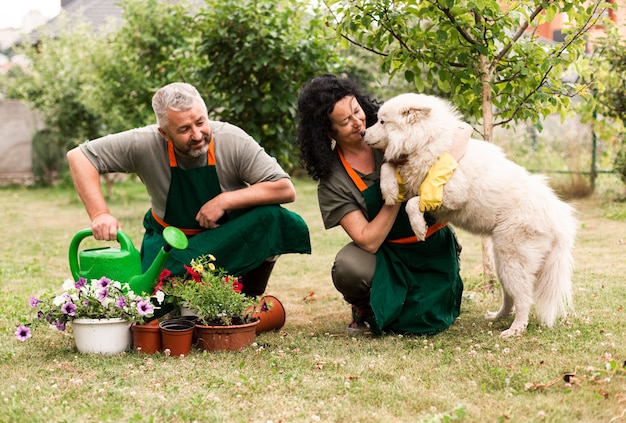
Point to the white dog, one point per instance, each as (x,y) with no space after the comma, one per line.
(533,231)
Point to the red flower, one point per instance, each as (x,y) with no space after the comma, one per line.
(237,285)
(194,275)
(164,275)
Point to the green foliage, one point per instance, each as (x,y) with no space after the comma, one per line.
(61,66)
(211,293)
(247,58)
(254,56)
(476,52)
(144,54)
(607,68)
(48,156)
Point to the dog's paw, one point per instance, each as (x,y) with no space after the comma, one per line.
(416,218)
(389,184)
(492,315)
(390,194)
(512,332)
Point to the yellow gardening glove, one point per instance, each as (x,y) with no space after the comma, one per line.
(431,190)
(401,187)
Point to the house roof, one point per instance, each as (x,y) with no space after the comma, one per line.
(94,12)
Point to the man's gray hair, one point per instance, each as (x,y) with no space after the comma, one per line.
(177,96)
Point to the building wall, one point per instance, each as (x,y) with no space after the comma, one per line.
(18,125)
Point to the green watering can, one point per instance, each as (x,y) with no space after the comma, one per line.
(122,264)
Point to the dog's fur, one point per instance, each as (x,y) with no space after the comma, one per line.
(532,230)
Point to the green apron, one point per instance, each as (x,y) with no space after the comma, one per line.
(416,286)
(244,239)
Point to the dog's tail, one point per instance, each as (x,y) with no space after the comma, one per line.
(553,289)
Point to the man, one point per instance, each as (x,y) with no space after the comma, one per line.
(210,179)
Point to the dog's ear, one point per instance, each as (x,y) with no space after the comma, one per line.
(414,114)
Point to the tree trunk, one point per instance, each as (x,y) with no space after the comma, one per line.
(487,107)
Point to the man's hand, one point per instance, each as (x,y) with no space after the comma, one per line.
(211,212)
(431,190)
(104,226)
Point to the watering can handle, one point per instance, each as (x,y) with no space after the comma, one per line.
(126,244)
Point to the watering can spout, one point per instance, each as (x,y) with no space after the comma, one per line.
(122,264)
(174,238)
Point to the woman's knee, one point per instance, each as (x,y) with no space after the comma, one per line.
(353,271)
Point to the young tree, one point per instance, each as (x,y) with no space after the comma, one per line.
(608,114)
(485,54)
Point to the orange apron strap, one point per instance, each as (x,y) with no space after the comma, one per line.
(171,155)
(173,163)
(352,173)
(185,231)
(210,159)
(210,155)
(413,239)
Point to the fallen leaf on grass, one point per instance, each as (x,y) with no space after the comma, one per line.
(309,297)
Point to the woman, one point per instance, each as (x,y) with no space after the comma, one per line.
(392,281)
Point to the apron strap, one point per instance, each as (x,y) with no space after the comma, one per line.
(352,173)
(413,239)
(164,224)
(362,187)
(210,155)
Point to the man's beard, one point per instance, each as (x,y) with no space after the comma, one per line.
(194,152)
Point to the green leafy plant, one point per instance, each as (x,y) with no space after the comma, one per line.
(210,292)
(96,299)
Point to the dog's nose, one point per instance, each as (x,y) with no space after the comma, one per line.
(363,134)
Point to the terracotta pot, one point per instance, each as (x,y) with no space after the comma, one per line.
(147,338)
(271,319)
(176,336)
(102,336)
(226,338)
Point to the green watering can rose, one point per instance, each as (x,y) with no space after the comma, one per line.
(122,264)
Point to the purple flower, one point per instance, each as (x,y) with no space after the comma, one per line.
(145,307)
(59,324)
(69,308)
(22,333)
(121,302)
(80,283)
(103,294)
(34,301)
(264,306)
(104,282)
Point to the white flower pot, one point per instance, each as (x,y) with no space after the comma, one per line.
(186,311)
(102,336)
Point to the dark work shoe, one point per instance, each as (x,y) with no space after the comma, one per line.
(359,320)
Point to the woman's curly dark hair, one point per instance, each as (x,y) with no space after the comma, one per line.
(315,104)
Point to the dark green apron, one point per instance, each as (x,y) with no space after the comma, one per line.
(244,239)
(416,286)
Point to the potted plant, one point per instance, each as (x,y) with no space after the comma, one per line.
(100,312)
(224,314)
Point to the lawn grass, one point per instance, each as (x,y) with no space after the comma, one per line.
(312,370)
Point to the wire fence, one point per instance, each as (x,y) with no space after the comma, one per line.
(574,158)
